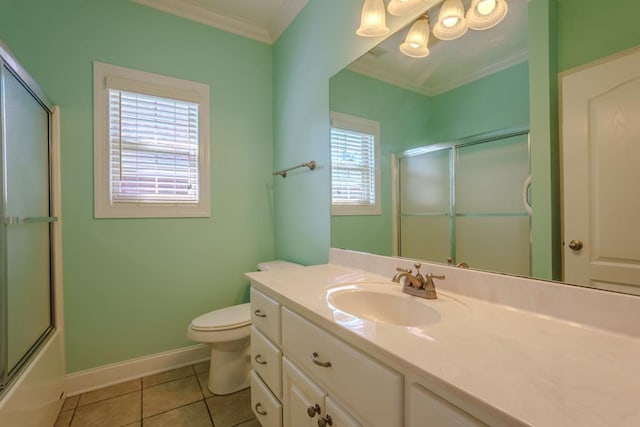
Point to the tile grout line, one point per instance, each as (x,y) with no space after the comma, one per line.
(140,387)
(204,399)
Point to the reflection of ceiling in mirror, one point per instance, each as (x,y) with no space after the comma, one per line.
(450,63)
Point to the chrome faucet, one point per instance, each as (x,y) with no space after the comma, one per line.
(418,285)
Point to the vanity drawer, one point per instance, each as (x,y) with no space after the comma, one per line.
(265,315)
(266,360)
(267,408)
(370,389)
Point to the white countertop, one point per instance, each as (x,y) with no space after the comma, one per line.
(541,370)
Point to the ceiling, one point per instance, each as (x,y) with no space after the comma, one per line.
(449,65)
(262,20)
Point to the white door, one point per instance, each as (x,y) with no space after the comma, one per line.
(600,139)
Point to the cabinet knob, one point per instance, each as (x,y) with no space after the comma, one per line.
(325,421)
(259,409)
(315,360)
(313,410)
(259,313)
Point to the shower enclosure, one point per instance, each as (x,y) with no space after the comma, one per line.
(468,202)
(27,309)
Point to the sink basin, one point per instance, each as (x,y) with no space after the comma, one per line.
(382,305)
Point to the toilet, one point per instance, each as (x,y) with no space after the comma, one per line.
(227,332)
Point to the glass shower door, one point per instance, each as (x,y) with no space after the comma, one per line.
(25,238)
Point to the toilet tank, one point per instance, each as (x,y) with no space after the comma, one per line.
(272,265)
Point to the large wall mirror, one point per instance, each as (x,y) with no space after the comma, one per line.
(454,153)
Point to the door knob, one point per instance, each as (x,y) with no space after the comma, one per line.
(575,245)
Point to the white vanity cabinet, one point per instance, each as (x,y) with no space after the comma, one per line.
(306,404)
(303,375)
(266,360)
(371,390)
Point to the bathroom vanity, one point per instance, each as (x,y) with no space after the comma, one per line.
(343,346)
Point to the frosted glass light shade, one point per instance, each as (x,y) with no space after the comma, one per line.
(451,22)
(373,19)
(416,43)
(484,14)
(402,7)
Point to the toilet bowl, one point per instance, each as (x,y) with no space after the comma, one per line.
(227,332)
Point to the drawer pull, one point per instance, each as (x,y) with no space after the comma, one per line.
(259,313)
(313,410)
(314,359)
(323,422)
(259,409)
(259,360)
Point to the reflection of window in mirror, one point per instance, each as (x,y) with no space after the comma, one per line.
(355,165)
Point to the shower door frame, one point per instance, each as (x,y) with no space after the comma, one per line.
(453,146)
(9,64)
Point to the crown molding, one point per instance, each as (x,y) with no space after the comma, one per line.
(207,17)
(508,62)
(268,33)
(435,89)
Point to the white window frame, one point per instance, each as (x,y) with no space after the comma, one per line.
(107,76)
(358,124)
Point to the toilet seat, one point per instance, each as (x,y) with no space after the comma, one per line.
(223,319)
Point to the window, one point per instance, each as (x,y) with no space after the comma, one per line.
(355,166)
(151,145)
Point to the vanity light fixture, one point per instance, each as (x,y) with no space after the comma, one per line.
(484,14)
(402,7)
(451,21)
(373,19)
(416,43)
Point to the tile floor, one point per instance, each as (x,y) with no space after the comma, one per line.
(173,398)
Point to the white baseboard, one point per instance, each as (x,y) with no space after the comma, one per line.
(102,376)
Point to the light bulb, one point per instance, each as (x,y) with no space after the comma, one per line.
(450,21)
(485,7)
(417,39)
(485,14)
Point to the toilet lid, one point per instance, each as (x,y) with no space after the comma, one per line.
(232,317)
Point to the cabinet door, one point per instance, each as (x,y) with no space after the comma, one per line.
(427,409)
(303,401)
(339,417)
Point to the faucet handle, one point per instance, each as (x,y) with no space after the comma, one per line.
(433,276)
(403,270)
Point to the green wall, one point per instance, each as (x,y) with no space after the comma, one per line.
(408,120)
(498,101)
(403,116)
(131,286)
(320,42)
(592,29)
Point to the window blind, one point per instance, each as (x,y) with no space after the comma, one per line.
(153,149)
(352,168)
